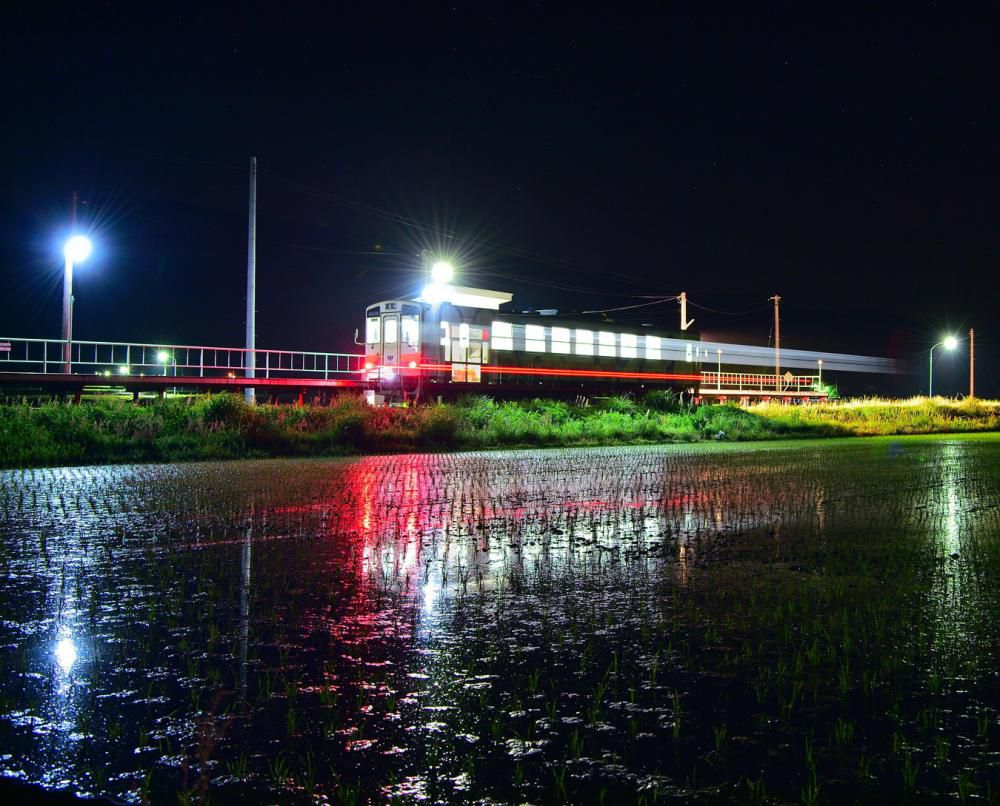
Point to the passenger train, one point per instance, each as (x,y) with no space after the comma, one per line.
(454,339)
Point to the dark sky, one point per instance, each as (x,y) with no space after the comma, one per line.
(845,160)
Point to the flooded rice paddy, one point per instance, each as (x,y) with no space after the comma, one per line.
(811,622)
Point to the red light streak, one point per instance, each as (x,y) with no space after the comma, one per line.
(564,373)
(593,373)
(551,372)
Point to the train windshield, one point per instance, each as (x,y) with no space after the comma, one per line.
(410,330)
(372,335)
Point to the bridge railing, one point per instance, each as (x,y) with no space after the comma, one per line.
(136,358)
(735,382)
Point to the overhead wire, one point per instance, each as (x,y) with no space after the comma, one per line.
(728,313)
(414,223)
(630,307)
(443,232)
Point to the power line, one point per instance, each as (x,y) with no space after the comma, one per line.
(347,251)
(728,313)
(413,223)
(630,307)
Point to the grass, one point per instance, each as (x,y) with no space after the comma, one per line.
(224,427)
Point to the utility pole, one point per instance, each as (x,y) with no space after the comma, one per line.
(67,323)
(683,300)
(250,360)
(777,343)
(972,362)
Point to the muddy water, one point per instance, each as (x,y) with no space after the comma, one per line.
(815,622)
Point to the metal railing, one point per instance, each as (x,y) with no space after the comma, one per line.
(179,360)
(736,382)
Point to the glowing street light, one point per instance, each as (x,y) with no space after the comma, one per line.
(76,250)
(163,357)
(819,362)
(442,272)
(949,343)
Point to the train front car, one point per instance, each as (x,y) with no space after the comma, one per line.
(393,354)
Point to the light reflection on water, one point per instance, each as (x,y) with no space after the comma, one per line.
(437,626)
(65,653)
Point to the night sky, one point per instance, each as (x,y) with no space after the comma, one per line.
(846,161)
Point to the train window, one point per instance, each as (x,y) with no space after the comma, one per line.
(373,311)
(391,335)
(606,344)
(463,334)
(446,340)
(629,342)
(372,335)
(653,347)
(584,342)
(503,336)
(409,327)
(473,374)
(560,340)
(534,338)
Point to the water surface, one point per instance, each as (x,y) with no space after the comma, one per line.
(818,621)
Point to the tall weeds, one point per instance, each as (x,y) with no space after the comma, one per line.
(223,426)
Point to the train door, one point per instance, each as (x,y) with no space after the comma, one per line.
(409,337)
(390,339)
(469,351)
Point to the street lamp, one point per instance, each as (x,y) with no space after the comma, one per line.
(76,250)
(442,272)
(949,343)
(437,280)
(819,361)
(164,358)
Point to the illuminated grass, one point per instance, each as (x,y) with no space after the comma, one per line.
(883,417)
(224,427)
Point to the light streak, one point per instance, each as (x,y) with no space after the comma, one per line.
(553,372)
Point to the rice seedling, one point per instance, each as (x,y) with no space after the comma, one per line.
(553,622)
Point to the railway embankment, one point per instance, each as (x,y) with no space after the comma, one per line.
(224,427)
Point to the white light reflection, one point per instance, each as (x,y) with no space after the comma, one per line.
(432,590)
(951,531)
(65,653)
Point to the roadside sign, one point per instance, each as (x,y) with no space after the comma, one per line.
(4,346)
(789,377)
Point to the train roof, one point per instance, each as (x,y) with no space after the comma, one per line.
(465,297)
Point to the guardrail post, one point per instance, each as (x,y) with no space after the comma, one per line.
(267,364)
(201,363)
